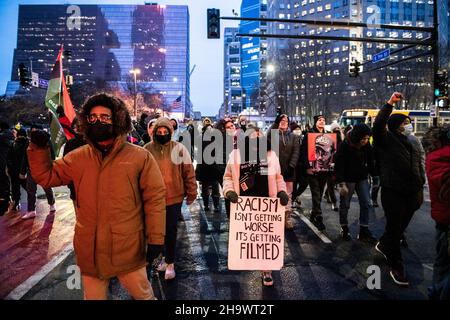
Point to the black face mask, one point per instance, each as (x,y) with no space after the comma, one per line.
(99,132)
(162,139)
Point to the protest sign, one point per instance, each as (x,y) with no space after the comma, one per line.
(256,237)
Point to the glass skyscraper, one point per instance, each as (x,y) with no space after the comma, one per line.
(107,41)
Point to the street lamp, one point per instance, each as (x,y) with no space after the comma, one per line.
(135,72)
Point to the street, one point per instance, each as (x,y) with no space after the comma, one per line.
(37,259)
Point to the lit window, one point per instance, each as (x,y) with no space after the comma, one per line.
(304,13)
(328,6)
(281,26)
(407,35)
(281,16)
(311,11)
(393,34)
(319,9)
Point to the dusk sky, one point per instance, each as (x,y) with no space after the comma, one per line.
(207,54)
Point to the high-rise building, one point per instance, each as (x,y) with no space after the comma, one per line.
(312,76)
(253,52)
(232,91)
(106,42)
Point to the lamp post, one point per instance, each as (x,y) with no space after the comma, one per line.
(135,72)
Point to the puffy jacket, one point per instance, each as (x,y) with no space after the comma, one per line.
(233,172)
(288,153)
(438,173)
(399,164)
(120,203)
(353,164)
(179,176)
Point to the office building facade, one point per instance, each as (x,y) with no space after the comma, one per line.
(106,42)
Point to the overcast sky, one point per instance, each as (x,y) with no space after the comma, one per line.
(207,54)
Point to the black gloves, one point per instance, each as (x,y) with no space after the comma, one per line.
(40,138)
(284,198)
(232,196)
(153,251)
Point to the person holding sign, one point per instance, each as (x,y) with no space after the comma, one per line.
(316,153)
(254,172)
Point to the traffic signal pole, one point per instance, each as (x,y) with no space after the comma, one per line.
(435,39)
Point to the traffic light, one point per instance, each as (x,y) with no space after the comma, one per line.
(67,54)
(441,88)
(24,75)
(354,72)
(213,23)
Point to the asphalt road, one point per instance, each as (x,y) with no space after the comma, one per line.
(313,268)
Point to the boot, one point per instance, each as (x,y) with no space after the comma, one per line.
(287,221)
(365,235)
(345,233)
(317,221)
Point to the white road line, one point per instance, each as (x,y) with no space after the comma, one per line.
(320,234)
(26,286)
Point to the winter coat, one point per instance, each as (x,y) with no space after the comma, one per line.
(120,199)
(232,174)
(208,169)
(438,173)
(179,176)
(17,157)
(398,163)
(288,153)
(353,164)
(71,145)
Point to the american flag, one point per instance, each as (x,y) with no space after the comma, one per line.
(176,104)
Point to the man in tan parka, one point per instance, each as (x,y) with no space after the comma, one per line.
(120,198)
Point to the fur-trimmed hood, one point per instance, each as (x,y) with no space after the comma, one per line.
(163,122)
(120,114)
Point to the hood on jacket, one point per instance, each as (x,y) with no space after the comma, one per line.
(120,115)
(162,122)
(395,120)
(358,132)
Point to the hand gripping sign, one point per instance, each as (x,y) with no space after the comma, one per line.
(256,238)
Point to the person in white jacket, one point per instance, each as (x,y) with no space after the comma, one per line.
(250,172)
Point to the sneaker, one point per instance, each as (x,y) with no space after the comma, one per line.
(267,279)
(345,233)
(170,272)
(398,275)
(334,207)
(317,220)
(380,249)
(29,215)
(162,266)
(52,208)
(365,235)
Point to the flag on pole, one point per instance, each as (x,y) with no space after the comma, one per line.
(57,95)
(176,104)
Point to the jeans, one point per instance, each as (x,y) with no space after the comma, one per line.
(31,193)
(363,191)
(317,184)
(170,240)
(329,192)
(215,193)
(16,183)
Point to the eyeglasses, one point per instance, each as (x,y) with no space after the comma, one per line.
(104,118)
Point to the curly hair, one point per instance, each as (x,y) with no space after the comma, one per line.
(119,110)
(435,138)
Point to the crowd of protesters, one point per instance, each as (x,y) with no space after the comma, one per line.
(128,188)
